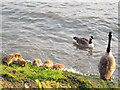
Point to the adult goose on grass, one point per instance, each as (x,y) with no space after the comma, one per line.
(84,42)
(106,65)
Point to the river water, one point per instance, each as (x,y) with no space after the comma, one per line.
(45,30)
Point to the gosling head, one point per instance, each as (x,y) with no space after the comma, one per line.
(18,55)
(11,56)
(34,62)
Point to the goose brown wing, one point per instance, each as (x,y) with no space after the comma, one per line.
(83,41)
(104,66)
(110,66)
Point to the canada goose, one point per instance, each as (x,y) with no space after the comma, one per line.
(48,64)
(106,65)
(37,62)
(58,66)
(8,59)
(84,42)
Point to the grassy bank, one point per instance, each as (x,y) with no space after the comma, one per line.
(31,76)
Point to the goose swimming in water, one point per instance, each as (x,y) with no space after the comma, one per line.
(85,42)
(106,65)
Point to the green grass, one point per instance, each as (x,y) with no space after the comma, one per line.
(38,77)
(105,86)
(31,72)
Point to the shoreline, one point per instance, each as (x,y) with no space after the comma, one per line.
(16,76)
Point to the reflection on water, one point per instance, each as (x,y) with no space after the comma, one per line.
(83,48)
(45,30)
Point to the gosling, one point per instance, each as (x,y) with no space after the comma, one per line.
(58,66)
(106,65)
(7,60)
(37,62)
(84,42)
(16,58)
(48,64)
(21,61)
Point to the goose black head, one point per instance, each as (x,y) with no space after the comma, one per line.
(75,38)
(90,40)
(92,37)
(110,34)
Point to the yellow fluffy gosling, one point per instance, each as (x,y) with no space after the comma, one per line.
(58,66)
(48,64)
(37,62)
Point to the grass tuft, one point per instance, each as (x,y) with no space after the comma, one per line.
(105,86)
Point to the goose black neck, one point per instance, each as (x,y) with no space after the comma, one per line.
(109,42)
(90,41)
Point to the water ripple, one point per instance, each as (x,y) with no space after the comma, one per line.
(47,29)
